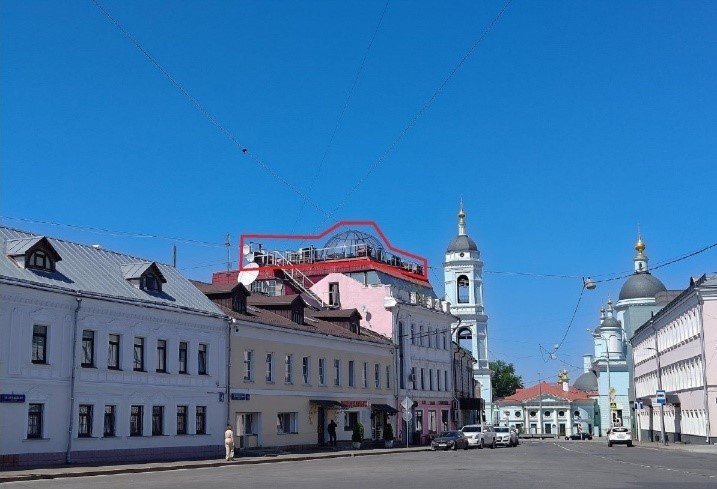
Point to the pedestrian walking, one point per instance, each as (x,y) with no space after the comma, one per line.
(229,442)
(332,433)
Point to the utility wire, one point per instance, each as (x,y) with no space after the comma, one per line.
(422,110)
(213,120)
(342,112)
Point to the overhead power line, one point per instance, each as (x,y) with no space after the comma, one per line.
(422,110)
(208,115)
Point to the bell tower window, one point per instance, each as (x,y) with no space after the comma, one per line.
(465,339)
(463,289)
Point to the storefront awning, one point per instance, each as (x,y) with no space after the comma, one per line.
(385,408)
(325,403)
(471,403)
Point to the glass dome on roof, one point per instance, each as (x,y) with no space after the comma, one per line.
(350,239)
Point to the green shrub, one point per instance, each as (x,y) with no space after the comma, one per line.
(357,436)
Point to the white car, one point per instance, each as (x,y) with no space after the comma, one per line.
(506,436)
(479,435)
(619,435)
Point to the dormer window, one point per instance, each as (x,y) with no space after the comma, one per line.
(239,303)
(144,275)
(39,260)
(151,283)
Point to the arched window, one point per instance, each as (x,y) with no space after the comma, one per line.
(463,290)
(465,339)
(39,259)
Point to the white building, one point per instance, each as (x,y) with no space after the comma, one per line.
(463,271)
(122,354)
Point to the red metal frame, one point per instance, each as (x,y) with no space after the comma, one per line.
(313,237)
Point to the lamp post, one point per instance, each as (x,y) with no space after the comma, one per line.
(659,387)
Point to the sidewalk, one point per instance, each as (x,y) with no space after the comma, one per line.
(84,471)
(685,447)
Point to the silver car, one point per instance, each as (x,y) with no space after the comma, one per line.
(479,435)
(506,436)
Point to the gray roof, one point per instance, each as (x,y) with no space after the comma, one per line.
(19,246)
(93,270)
(462,242)
(136,270)
(587,382)
(641,286)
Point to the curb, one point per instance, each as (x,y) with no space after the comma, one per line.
(222,463)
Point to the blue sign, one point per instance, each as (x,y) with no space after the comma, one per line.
(241,397)
(661,397)
(12,397)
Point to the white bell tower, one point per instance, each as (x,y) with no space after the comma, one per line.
(463,278)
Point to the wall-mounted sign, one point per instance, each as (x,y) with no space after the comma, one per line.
(660,397)
(354,404)
(12,397)
(240,396)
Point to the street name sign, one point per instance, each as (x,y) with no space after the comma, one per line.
(661,398)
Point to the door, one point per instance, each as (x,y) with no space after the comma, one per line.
(320,426)
(561,429)
(548,429)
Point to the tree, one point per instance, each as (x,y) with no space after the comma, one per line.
(505,380)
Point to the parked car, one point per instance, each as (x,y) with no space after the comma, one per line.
(450,440)
(479,436)
(580,436)
(506,436)
(619,435)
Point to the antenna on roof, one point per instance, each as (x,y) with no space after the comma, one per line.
(228,244)
(174,256)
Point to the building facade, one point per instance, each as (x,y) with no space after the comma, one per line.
(107,357)
(463,280)
(674,351)
(294,370)
(470,407)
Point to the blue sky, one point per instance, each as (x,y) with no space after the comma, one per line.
(571,123)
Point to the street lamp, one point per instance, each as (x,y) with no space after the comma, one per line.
(659,387)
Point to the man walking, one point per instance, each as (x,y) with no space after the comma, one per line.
(229,442)
(332,433)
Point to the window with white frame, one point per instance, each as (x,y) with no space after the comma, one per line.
(322,371)
(352,382)
(288,369)
(305,369)
(286,423)
(248,365)
(269,367)
(337,371)
(377,376)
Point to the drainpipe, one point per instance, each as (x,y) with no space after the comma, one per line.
(68,457)
(700,303)
(230,323)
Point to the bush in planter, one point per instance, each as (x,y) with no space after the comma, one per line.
(357,436)
(388,432)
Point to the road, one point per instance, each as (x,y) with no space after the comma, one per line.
(532,465)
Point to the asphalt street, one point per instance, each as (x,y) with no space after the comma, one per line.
(532,465)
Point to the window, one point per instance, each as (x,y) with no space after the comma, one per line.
(352,382)
(533,414)
(444,336)
(413,334)
(161,355)
(288,375)
(463,289)
(183,346)
(546,413)
(151,282)
(561,414)
(34,421)
(429,333)
(202,359)
(365,375)
(421,334)
(438,380)
(270,367)
(297,315)
(430,379)
(388,376)
(419,421)
(157,420)
(135,420)
(337,371)
(139,354)
(377,376)
(39,344)
(445,380)
(413,378)
(110,418)
(88,348)
(39,259)
(286,423)
(239,303)
(305,369)
(334,299)
(322,371)
(84,426)
(248,367)
(201,420)
(350,420)
(423,380)
(465,339)
(181,420)
(431,421)
(113,352)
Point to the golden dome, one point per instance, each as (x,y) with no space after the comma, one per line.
(640,245)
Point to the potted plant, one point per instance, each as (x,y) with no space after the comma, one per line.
(357,436)
(388,435)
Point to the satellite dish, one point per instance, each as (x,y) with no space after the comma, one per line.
(249,274)
(250,257)
(246,249)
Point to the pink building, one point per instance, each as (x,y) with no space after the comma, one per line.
(676,352)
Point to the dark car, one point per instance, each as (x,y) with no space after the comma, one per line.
(450,440)
(580,436)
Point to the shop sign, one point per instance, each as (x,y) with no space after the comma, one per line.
(240,396)
(12,397)
(354,404)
